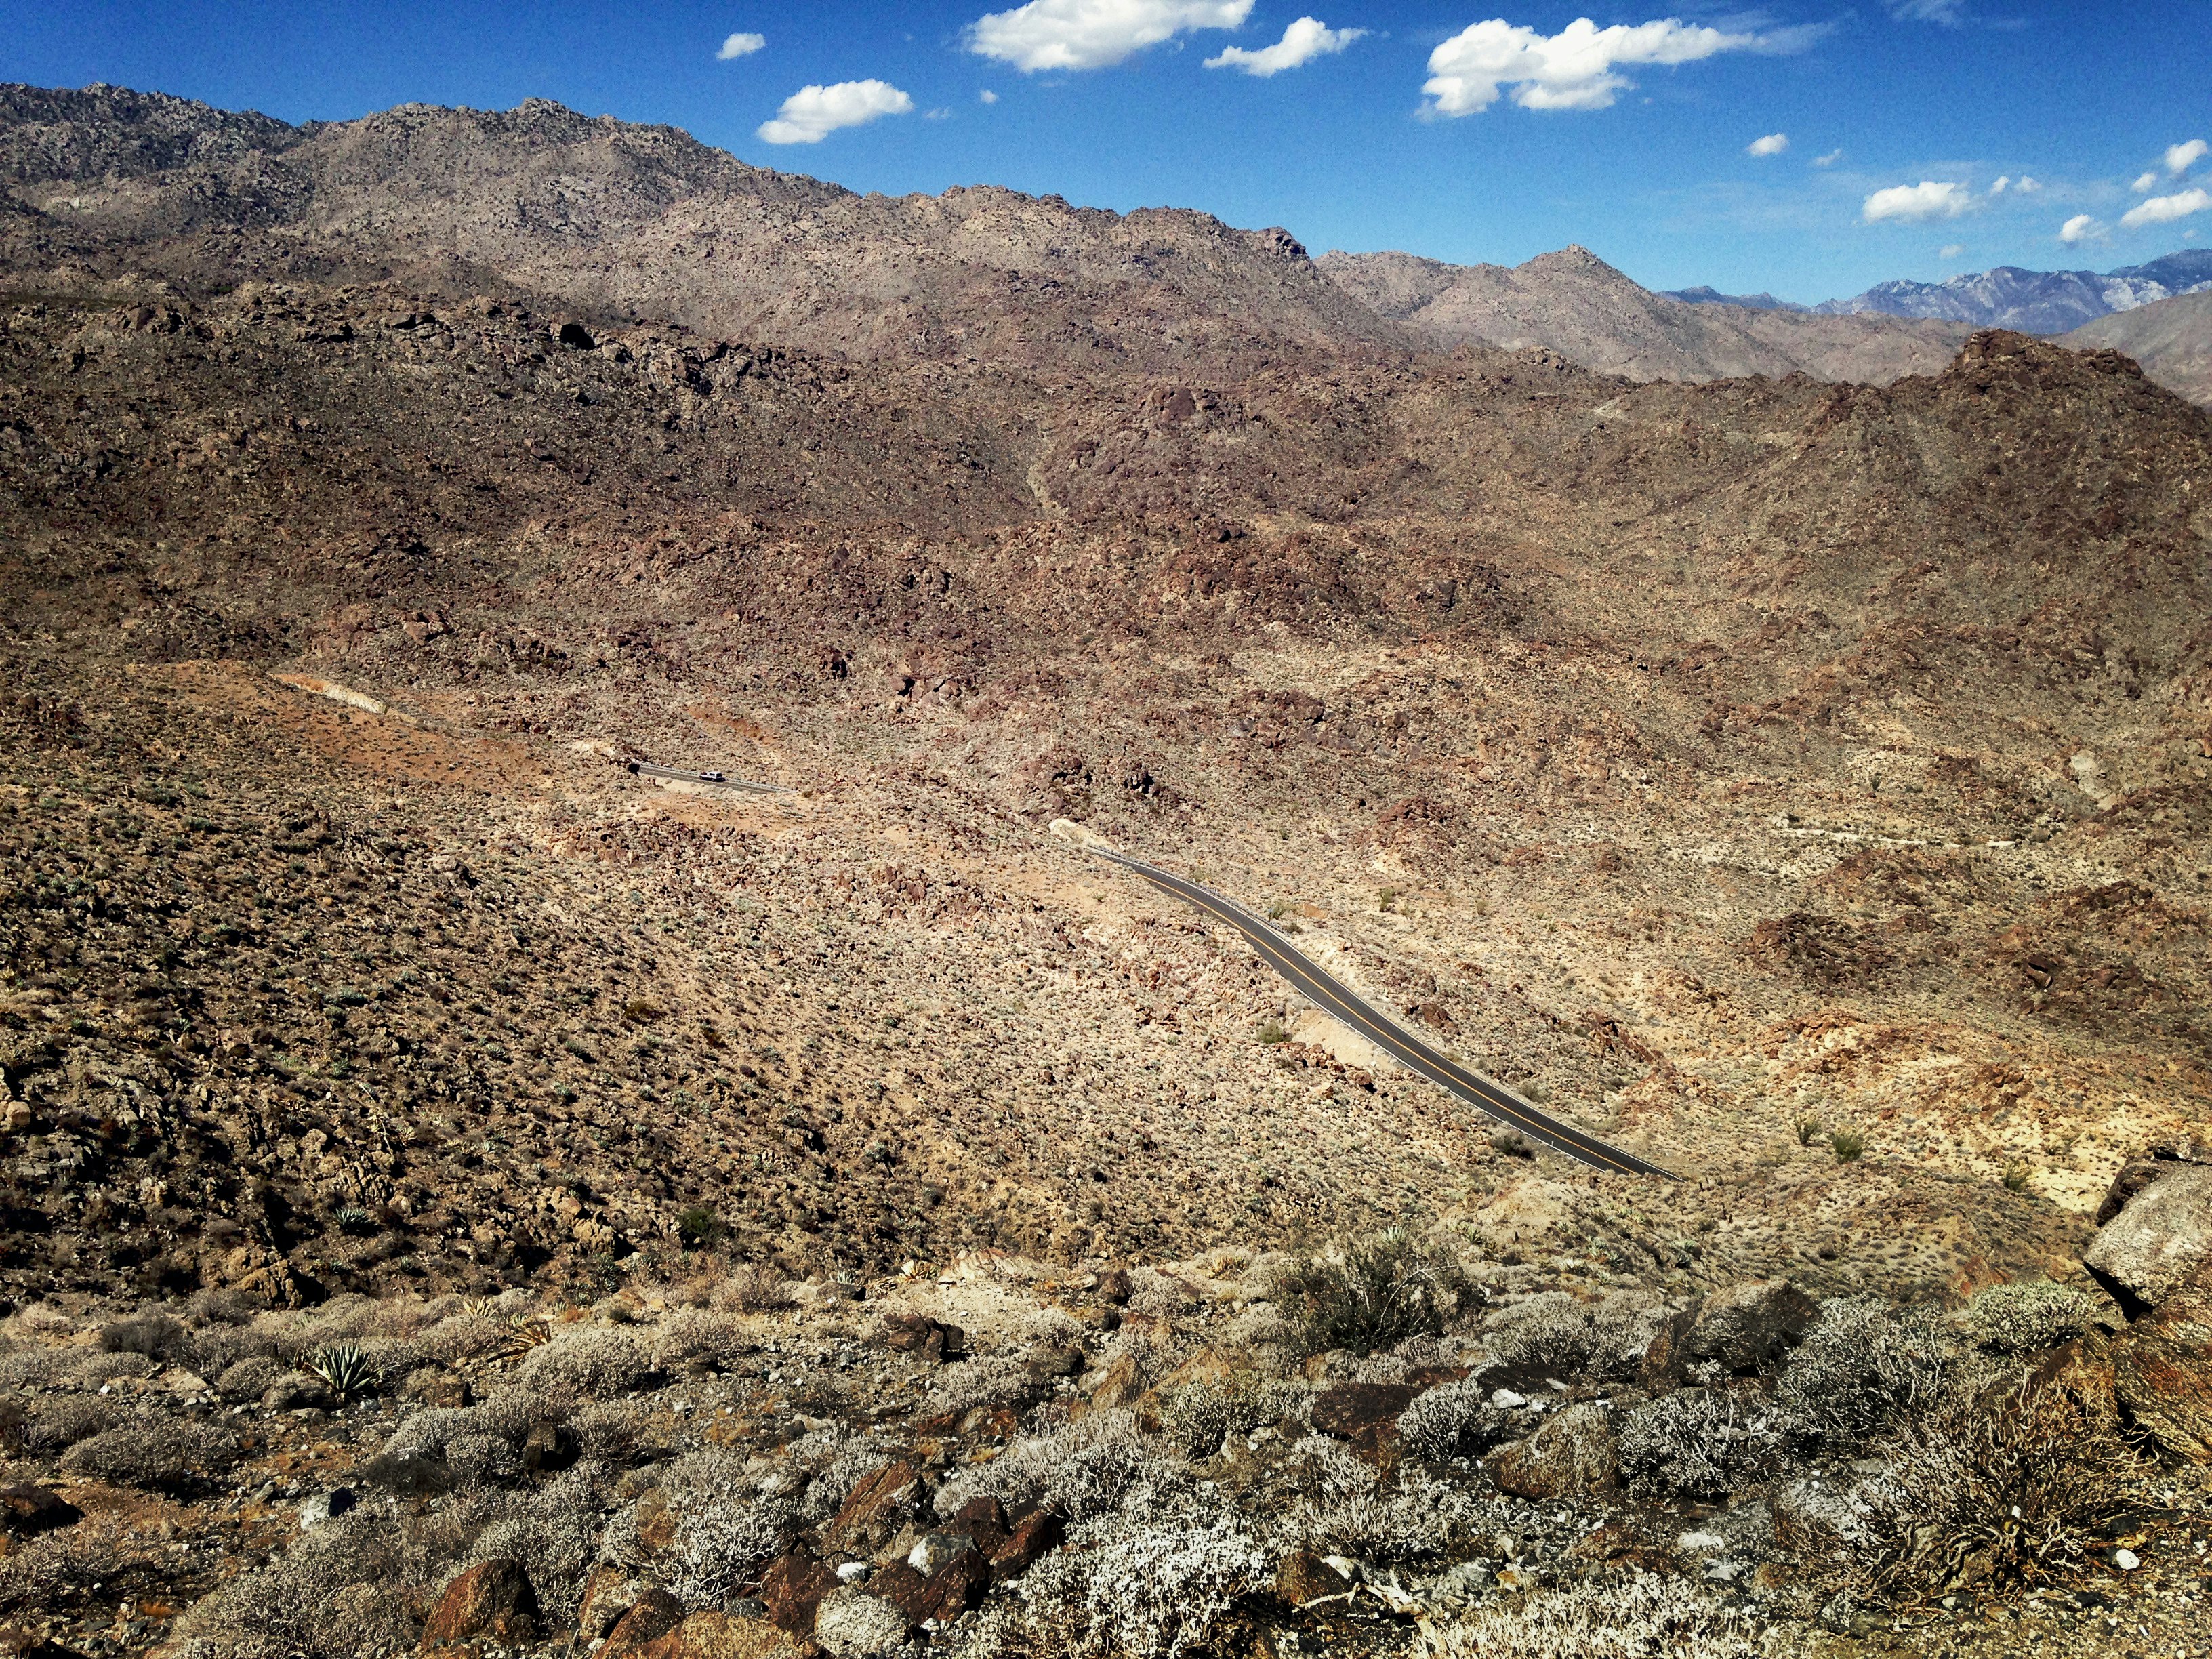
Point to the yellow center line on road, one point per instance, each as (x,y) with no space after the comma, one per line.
(1484,1094)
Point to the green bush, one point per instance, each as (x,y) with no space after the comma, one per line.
(1847,1144)
(1372,1294)
(701,1228)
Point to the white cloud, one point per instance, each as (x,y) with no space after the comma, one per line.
(2180,158)
(2003,182)
(740,45)
(987,96)
(1572,69)
(1306,40)
(2024,185)
(2081,228)
(1772,144)
(813,112)
(1951,251)
(2145,183)
(2160,208)
(1929,199)
(1829,159)
(1083,34)
(1951,13)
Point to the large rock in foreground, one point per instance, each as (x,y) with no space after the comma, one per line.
(2158,1242)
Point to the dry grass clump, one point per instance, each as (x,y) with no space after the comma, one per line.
(1863,1368)
(1699,1442)
(151,1454)
(1642,1617)
(1198,1419)
(1126,1589)
(340,1593)
(2029,1316)
(1455,1419)
(1564,1336)
(2008,1490)
(587,1363)
(553,1533)
(1373,1293)
(1090,1468)
(750,1287)
(1335,1503)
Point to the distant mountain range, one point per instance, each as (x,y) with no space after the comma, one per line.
(2032,301)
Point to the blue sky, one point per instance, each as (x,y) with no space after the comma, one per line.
(1467,132)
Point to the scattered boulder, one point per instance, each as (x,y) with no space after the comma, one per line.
(877,1507)
(427,1385)
(609,1593)
(548,1447)
(1364,1414)
(1574,1454)
(1304,1578)
(921,1335)
(492,1599)
(1741,1329)
(26,1511)
(653,1615)
(1030,1537)
(708,1634)
(2159,1240)
(655,1522)
(791,1587)
(2162,1373)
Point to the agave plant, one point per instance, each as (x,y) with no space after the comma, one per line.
(344,1368)
(526,1332)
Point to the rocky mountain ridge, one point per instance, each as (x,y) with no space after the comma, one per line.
(2035,301)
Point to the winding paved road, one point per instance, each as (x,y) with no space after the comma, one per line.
(1328,992)
(646,769)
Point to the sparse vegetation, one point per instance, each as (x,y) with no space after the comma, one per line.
(1847,1144)
(1808,1129)
(1374,1293)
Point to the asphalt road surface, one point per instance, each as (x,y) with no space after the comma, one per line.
(646,769)
(1482,1093)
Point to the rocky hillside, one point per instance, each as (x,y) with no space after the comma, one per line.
(621,222)
(2171,338)
(1573,303)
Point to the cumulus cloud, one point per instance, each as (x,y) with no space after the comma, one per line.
(2024,185)
(1772,144)
(2160,209)
(740,45)
(1950,251)
(1575,69)
(812,113)
(2145,183)
(2004,183)
(2180,158)
(987,96)
(1829,159)
(1306,40)
(2081,228)
(1085,35)
(1915,203)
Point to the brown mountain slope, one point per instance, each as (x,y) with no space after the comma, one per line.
(620,220)
(1574,303)
(2171,338)
(1723,719)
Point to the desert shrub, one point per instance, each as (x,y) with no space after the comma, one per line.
(1642,1617)
(248,1379)
(337,1593)
(36,1364)
(61,1420)
(1123,1589)
(694,1334)
(587,1364)
(485,1458)
(836,1460)
(1088,1469)
(1699,1442)
(1862,1368)
(463,1336)
(1159,1296)
(1372,1294)
(2011,1488)
(109,1366)
(215,1351)
(1455,1419)
(221,1306)
(1847,1144)
(1197,1419)
(751,1287)
(1333,1502)
(2029,1316)
(724,1529)
(553,1535)
(1562,1336)
(620,1431)
(155,1335)
(987,1380)
(151,1454)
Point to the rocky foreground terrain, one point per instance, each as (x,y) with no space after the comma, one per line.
(453,1153)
